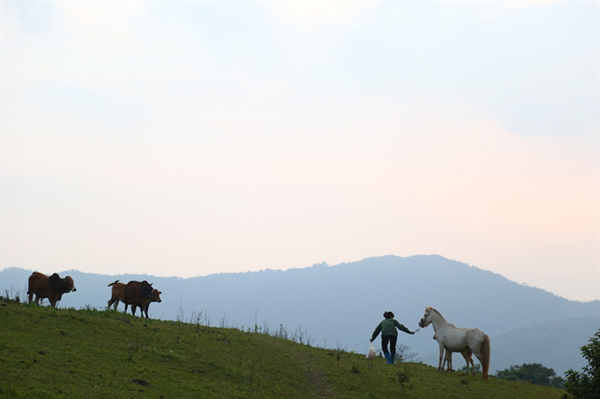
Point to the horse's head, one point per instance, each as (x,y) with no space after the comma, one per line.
(425,320)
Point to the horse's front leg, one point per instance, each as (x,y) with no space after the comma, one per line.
(447,364)
(440,365)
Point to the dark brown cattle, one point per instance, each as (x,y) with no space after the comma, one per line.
(154,297)
(52,287)
(132,293)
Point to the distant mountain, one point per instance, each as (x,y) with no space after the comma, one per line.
(339,306)
(545,343)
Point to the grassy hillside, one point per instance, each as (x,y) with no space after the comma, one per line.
(47,353)
(317,300)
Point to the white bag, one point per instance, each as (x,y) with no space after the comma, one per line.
(371,352)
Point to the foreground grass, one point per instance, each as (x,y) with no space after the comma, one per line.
(48,353)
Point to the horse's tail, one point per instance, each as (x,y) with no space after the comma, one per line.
(485,356)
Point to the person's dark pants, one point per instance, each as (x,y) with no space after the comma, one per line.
(392,341)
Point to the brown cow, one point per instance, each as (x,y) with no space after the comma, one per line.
(118,294)
(154,297)
(132,293)
(52,287)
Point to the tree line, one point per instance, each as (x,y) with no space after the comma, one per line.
(584,384)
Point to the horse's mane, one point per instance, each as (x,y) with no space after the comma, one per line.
(439,314)
(434,310)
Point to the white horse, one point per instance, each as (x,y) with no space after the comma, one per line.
(454,339)
(448,359)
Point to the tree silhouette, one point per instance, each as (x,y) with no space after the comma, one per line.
(534,373)
(586,384)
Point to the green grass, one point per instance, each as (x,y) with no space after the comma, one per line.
(61,353)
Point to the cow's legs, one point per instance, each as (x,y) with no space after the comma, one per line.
(115,301)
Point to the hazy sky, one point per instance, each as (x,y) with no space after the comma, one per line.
(191,138)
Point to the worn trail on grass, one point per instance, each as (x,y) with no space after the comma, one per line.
(314,375)
(317,378)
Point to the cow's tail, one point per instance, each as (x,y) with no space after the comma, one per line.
(485,356)
(29,296)
(116,281)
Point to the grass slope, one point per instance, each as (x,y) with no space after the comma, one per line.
(48,353)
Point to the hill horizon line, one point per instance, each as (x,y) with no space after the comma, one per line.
(291,269)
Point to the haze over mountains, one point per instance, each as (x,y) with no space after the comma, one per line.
(339,306)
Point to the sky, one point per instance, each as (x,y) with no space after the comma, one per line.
(192,138)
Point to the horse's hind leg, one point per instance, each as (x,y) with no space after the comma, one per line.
(472,362)
(472,365)
(467,355)
(478,355)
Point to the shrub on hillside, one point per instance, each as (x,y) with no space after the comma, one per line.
(477,369)
(534,373)
(403,354)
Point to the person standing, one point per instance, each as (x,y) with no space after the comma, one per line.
(389,335)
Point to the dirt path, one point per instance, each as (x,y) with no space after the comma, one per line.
(316,377)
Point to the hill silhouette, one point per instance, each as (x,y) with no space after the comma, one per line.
(339,306)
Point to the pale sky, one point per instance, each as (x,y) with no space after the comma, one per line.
(192,138)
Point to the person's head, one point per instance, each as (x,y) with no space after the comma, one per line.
(388,315)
